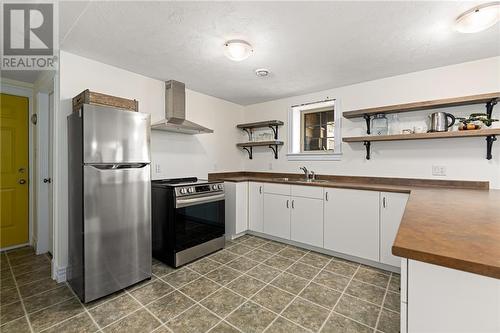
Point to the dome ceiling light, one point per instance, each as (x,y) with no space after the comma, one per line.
(237,49)
(478,18)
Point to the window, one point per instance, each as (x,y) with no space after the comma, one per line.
(317,129)
(314,131)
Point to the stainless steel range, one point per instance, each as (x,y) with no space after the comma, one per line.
(188,219)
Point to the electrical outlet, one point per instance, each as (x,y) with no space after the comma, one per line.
(270,165)
(438,170)
(215,166)
(157,168)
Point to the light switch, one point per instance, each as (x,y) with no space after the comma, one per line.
(157,168)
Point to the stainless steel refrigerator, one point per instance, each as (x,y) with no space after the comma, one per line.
(109,200)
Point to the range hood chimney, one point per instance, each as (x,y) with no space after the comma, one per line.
(175,112)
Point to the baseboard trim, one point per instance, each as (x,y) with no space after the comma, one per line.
(231,237)
(59,273)
(14,247)
(328,252)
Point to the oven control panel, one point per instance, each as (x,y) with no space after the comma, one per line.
(199,189)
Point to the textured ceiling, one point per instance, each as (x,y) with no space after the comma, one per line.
(308,46)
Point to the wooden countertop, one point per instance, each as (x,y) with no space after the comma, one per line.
(453,224)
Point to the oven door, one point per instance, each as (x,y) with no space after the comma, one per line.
(198,219)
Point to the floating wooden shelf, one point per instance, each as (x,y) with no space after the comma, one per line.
(260,143)
(272,124)
(261,124)
(490,99)
(248,146)
(490,135)
(426,105)
(421,136)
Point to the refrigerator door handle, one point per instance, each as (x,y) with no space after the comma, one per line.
(114,166)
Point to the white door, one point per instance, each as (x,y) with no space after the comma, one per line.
(255,207)
(307,221)
(277,215)
(49,174)
(352,222)
(392,207)
(45,106)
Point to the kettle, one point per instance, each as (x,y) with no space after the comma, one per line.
(439,121)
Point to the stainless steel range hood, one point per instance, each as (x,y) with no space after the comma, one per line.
(175,112)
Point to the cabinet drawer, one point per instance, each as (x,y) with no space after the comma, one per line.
(277,189)
(314,192)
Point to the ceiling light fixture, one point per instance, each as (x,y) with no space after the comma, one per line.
(262,72)
(237,49)
(478,18)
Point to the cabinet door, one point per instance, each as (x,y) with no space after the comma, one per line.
(392,207)
(236,207)
(255,207)
(307,221)
(352,222)
(241,207)
(277,215)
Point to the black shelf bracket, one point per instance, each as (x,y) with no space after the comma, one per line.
(249,132)
(367,146)
(367,118)
(275,150)
(275,131)
(489,107)
(489,144)
(250,152)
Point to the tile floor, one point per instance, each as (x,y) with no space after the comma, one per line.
(254,285)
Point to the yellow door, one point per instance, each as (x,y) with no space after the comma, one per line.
(14,170)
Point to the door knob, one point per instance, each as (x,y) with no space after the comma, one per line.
(47,180)
(22,181)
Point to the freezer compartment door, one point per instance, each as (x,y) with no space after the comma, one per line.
(117,227)
(115,136)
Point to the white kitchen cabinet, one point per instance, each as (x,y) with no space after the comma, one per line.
(442,299)
(236,207)
(351,222)
(256,206)
(277,215)
(306,224)
(392,207)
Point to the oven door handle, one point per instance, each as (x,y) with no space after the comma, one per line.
(186,202)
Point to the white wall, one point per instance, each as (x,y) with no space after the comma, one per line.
(464,158)
(177,154)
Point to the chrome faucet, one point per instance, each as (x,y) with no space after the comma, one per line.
(306,172)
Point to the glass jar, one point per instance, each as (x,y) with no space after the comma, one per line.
(394,124)
(379,125)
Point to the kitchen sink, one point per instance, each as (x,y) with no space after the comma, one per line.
(284,179)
